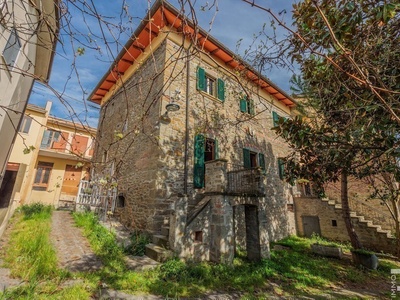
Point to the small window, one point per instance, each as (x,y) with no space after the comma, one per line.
(247,105)
(334,223)
(121,200)
(11,50)
(42,176)
(25,124)
(211,85)
(198,236)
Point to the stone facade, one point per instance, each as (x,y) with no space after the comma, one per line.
(143,149)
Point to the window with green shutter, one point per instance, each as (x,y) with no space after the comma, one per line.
(199,167)
(247,105)
(221,89)
(212,86)
(243,105)
(252,159)
(205,149)
(201,79)
(275,118)
(281,168)
(246,158)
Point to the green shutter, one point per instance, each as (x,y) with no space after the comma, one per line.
(261,161)
(281,168)
(275,118)
(199,167)
(243,105)
(246,158)
(216,150)
(201,79)
(221,89)
(251,106)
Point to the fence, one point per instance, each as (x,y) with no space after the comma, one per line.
(90,194)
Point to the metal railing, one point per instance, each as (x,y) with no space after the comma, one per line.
(248,182)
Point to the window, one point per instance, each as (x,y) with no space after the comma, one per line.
(25,124)
(198,236)
(334,223)
(212,86)
(281,168)
(275,118)
(253,159)
(11,50)
(205,149)
(49,136)
(247,105)
(42,176)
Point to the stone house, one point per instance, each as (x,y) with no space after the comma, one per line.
(185,132)
(49,158)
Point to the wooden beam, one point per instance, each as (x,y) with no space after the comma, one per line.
(127,61)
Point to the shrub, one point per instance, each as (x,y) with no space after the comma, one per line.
(173,269)
(138,242)
(35,210)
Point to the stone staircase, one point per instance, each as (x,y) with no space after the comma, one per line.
(159,249)
(366,229)
(361,219)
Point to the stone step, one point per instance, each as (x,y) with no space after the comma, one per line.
(158,253)
(165,230)
(160,240)
(377,227)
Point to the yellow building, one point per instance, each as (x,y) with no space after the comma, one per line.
(49,158)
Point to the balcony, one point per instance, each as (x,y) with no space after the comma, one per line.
(63,149)
(236,181)
(248,182)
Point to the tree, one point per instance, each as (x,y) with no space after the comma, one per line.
(350,77)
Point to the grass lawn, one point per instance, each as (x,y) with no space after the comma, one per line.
(291,272)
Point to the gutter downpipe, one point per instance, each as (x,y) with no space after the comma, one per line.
(185,170)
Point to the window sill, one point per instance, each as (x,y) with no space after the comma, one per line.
(212,97)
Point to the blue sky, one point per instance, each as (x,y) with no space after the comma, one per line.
(74,76)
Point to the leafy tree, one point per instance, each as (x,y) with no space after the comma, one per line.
(350,78)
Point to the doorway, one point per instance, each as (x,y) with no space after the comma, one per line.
(246,231)
(311,225)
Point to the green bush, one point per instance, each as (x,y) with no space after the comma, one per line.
(138,242)
(36,210)
(174,269)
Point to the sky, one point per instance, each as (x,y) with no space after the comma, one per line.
(82,58)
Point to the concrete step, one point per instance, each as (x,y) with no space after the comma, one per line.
(160,240)
(158,253)
(165,230)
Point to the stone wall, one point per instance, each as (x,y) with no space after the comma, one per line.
(327,212)
(127,147)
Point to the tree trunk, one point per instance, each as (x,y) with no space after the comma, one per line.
(396,212)
(344,194)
